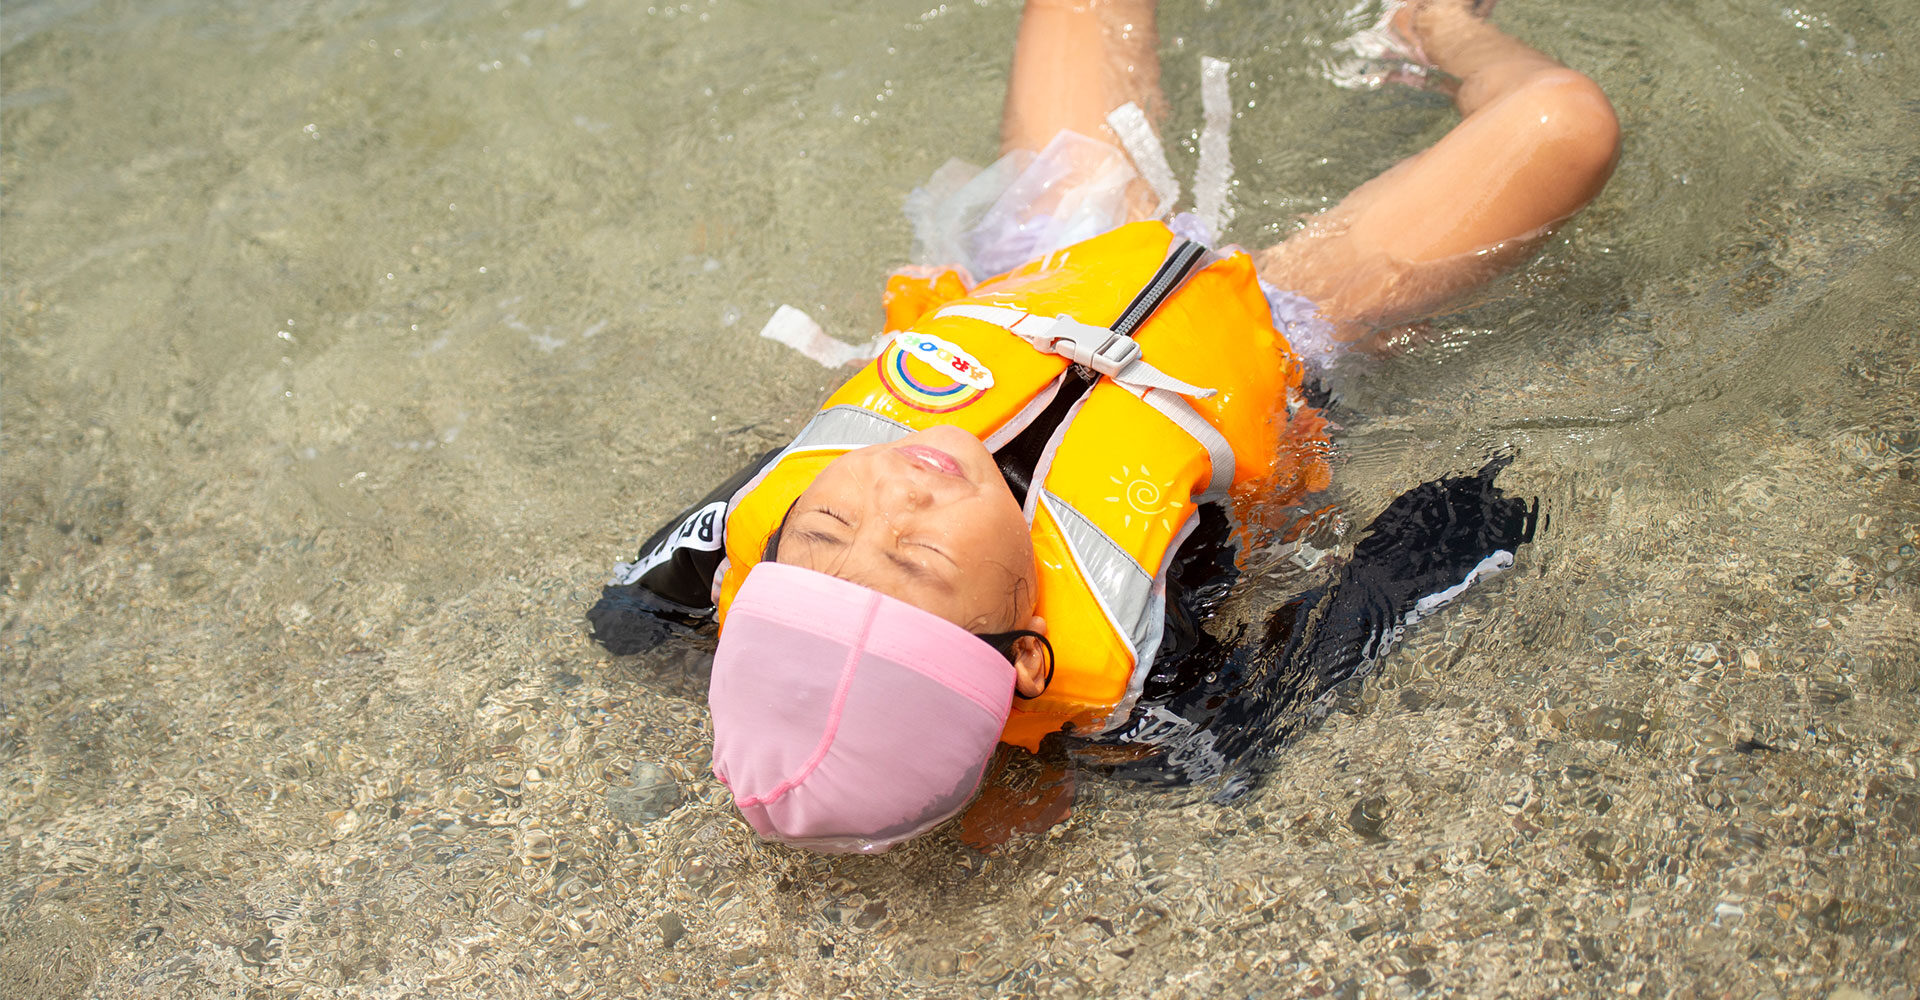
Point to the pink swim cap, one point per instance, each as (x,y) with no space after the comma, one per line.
(845,720)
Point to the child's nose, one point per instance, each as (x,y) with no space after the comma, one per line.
(902,495)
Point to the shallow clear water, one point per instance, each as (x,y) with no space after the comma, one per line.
(348,343)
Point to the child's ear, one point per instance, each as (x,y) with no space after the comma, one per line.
(1032,667)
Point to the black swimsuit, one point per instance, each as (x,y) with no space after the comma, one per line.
(1211,703)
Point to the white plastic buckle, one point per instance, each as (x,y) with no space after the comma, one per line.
(1118,352)
(1075,340)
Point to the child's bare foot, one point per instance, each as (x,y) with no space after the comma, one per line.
(1397,48)
(1421,26)
(1480,62)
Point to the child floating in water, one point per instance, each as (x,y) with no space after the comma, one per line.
(1006,525)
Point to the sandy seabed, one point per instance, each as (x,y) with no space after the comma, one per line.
(347,344)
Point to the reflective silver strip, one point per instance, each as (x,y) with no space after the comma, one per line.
(836,427)
(1124,591)
(1149,652)
(847,427)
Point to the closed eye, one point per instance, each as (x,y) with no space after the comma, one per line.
(820,537)
(925,575)
(930,547)
(814,532)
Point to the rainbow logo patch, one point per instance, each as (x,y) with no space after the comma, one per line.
(931,375)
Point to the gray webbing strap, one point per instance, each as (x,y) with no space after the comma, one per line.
(1114,355)
(1185,417)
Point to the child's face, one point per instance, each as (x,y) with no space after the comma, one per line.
(926,519)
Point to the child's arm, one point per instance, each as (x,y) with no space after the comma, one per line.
(1535,143)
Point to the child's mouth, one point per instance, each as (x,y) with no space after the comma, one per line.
(933,458)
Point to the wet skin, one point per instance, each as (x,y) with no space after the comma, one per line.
(926,519)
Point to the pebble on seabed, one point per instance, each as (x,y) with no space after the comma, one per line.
(650,793)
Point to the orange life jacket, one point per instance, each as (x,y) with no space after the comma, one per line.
(1119,485)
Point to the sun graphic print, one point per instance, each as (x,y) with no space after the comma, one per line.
(1141,499)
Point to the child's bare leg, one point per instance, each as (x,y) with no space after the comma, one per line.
(1536,142)
(1074,61)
